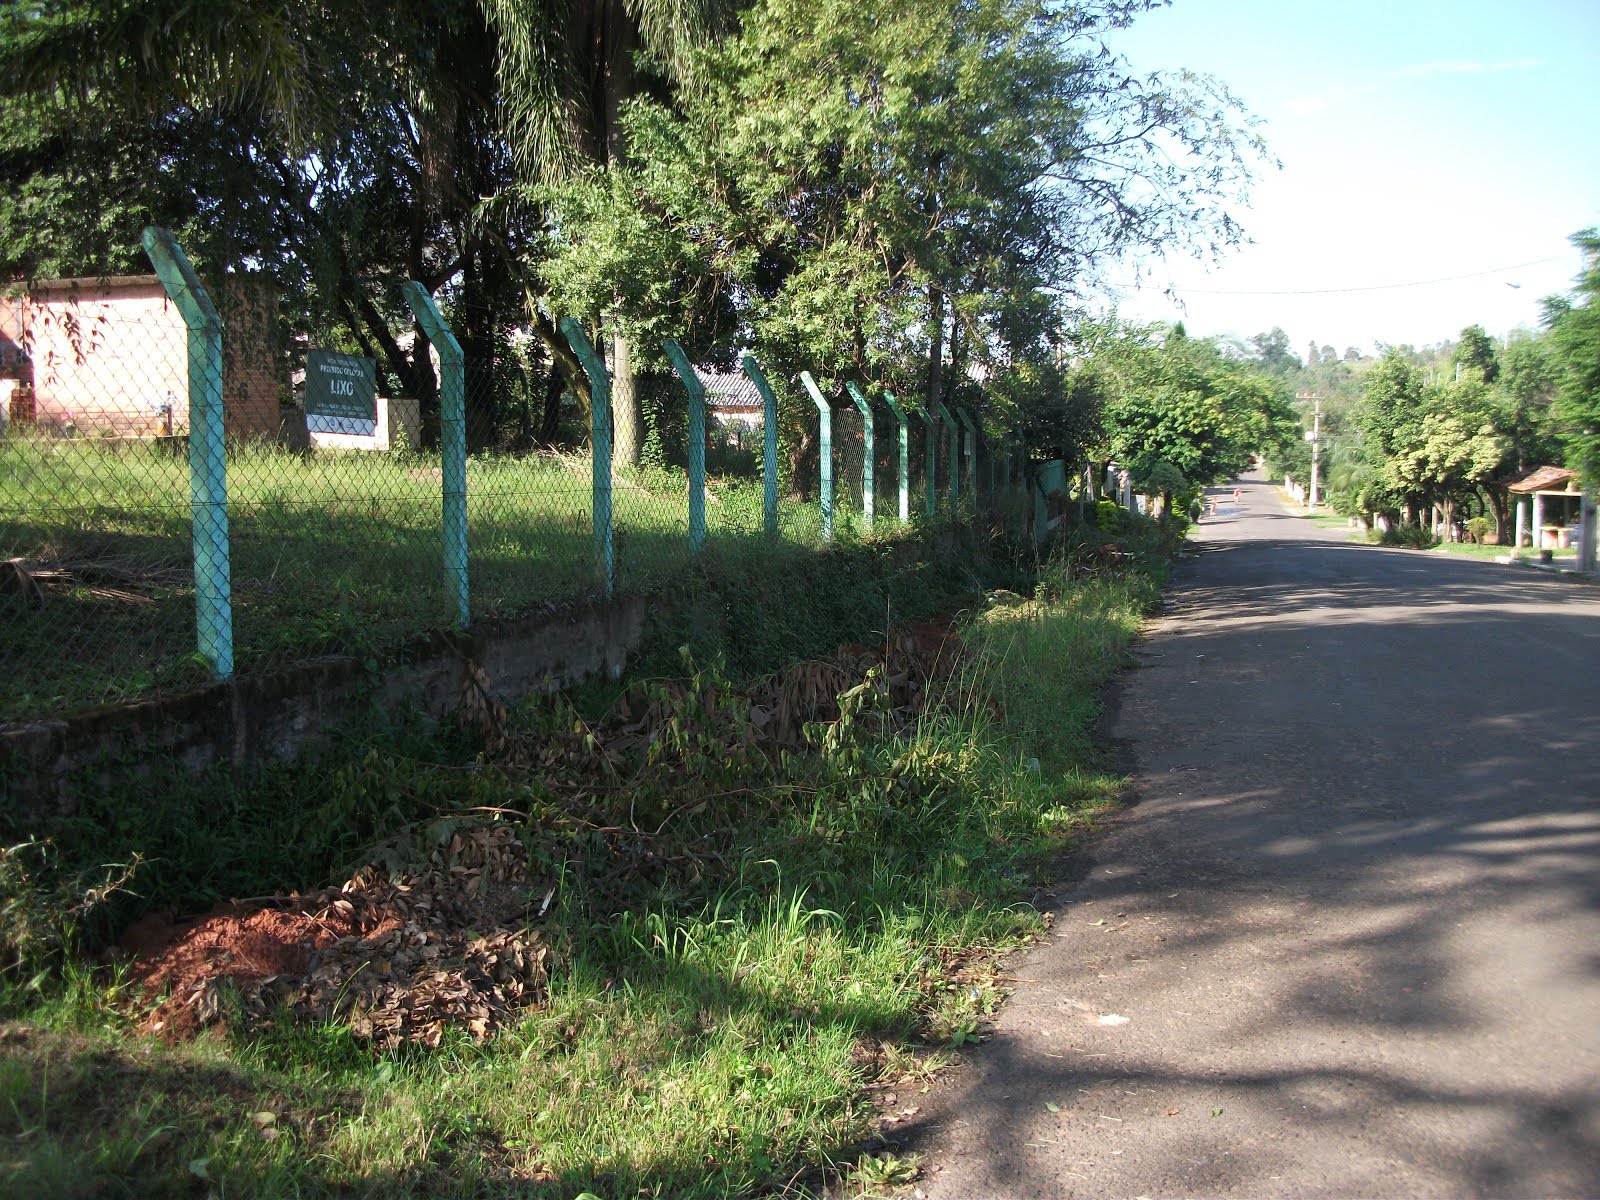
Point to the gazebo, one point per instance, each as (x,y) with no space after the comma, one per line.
(1555,488)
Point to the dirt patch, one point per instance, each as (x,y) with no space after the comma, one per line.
(397,955)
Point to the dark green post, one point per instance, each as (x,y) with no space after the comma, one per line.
(905,456)
(955,455)
(825,451)
(599,449)
(769,442)
(971,445)
(697,442)
(208,461)
(452,441)
(869,455)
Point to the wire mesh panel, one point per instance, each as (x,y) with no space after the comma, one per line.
(336,547)
(97,583)
(650,497)
(735,453)
(848,432)
(530,533)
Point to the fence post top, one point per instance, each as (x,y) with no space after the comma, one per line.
(894,405)
(752,368)
(681,364)
(810,385)
(961,415)
(178,278)
(941,412)
(578,340)
(428,316)
(862,402)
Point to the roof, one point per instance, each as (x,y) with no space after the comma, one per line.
(103,283)
(1546,479)
(730,391)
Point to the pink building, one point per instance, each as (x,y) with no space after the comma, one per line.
(109,357)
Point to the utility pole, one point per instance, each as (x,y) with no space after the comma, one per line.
(1316,450)
(1315,438)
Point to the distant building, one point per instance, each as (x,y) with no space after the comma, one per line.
(109,357)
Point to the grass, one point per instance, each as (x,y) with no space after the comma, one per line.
(718,1033)
(331,553)
(1473,550)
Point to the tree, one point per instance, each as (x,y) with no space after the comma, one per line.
(1574,325)
(899,195)
(1273,353)
(1175,404)
(342,148)
(1475,352)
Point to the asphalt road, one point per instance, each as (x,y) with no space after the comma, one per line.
(1347,940)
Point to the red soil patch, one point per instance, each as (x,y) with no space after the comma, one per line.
(231,942)
(398,957)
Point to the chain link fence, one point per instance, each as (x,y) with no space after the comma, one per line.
(175,503)
(97,590)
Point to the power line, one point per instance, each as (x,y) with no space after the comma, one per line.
(1379,287)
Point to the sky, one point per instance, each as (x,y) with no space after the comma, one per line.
(1454,146)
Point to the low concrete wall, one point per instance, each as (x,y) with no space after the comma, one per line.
(276,716)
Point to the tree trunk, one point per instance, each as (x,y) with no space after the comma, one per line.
(935,348)
(1499,509)
(550,425)
(619,82)
(627,414)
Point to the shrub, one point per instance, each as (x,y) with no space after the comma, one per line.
(1411,536)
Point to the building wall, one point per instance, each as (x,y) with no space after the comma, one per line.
(108,359)
(111,357)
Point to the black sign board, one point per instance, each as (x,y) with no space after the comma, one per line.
(341,393)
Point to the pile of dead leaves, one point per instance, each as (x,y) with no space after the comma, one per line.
(398,956)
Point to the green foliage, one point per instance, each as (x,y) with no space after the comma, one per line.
(1574,326)
(838,177)
(44,904)
(1475,353)
(1410,535)
(1173,409)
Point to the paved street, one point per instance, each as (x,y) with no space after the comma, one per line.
(1346,941)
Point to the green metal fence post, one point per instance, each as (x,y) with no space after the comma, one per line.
(599,449)
(989,447)
(904,441)
(208,461)
(971,441)
(769,447)
(930,461)
(452,441)
(869,455)
(825,419)
(697,442)
(955,454)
